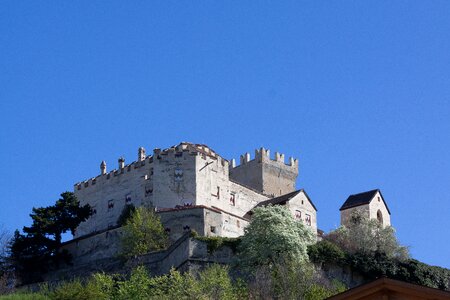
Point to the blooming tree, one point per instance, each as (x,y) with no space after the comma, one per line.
(272,237)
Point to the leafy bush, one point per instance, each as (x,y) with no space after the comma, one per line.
(216,242)
(143,233)
(99,286)
(319,292)
(126,214)
(364,235)
(326,252)
(25,296)
(215,283)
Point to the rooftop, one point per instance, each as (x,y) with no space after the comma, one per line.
(362,199)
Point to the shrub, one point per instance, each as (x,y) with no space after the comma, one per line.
(216,242)
(136,287)
(24,296)
(143,233)
(364,235)
(326,252)
(215,283)
(126,214)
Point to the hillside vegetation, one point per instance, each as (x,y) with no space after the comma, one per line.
(275,259)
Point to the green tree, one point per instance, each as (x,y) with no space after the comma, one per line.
(143,233)
(126,213)
(273,236)
(215,283)
(39,247)
(326,252)
(368,236)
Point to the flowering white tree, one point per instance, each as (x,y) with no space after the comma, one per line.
(272,237)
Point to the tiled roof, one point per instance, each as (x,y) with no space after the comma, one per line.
(362,199)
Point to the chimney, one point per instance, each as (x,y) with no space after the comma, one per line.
(141,154)
(103,168)
(121,162)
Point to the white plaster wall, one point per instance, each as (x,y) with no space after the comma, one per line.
(232,226)
(170,190)
(376,204)
(213,173)
(301,203)
(115,186)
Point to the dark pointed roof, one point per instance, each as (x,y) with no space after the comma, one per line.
(281,200)
(362,199)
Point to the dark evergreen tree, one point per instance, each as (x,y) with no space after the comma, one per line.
(38,248)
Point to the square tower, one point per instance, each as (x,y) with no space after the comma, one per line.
(271,177)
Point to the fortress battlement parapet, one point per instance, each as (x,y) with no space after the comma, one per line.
(184,174)
(122,169)
(270,176)
(263,155)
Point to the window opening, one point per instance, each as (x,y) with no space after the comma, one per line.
(308,219)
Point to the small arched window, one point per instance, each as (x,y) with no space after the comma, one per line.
(380,217)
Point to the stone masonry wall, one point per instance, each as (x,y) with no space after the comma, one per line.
(109,193)
(205,221)
(170,178)
(185,254)
(269,176)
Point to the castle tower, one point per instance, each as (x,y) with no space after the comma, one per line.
(269,176)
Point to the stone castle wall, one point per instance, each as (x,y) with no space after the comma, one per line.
(177,176)
(186,254)
(271,177)
(205,221)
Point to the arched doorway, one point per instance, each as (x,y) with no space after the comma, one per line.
(380,217)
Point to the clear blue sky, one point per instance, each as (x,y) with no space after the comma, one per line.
(359,91)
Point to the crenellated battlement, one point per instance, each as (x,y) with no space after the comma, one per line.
(182,174)
(122,169)
(174,152)
(269,175)
(263,155)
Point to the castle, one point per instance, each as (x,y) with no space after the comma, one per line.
(191,187)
